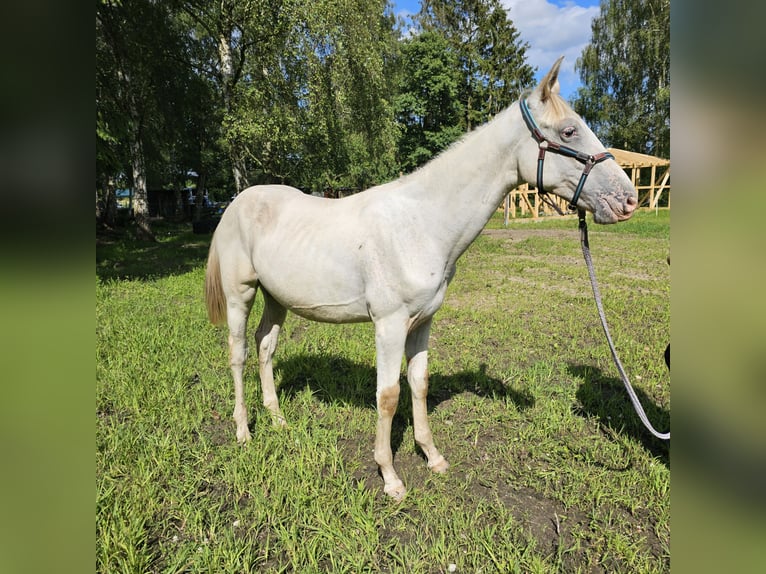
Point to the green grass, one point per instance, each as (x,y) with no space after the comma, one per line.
(646,222)
(550,468)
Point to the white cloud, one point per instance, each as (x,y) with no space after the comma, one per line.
(551,31)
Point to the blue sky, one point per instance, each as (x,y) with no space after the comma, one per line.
(551,28)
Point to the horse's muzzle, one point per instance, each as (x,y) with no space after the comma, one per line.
(628,207)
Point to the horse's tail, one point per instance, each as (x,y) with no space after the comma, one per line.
(214,297)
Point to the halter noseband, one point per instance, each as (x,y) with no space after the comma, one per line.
(547,145)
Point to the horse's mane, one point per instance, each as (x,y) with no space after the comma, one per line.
(556,108)
(456,144)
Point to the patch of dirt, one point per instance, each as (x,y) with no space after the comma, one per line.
(552,528)
(521,234)
(218,429)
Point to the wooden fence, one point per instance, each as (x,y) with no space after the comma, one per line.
(524,201)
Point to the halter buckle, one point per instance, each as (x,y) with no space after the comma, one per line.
(543,148)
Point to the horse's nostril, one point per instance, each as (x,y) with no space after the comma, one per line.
(631,200)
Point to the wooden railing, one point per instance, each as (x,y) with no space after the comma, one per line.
(524,201)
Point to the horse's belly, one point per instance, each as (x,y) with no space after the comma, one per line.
(318,296)
(348,312)
(316,278)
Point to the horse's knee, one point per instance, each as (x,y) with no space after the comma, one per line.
(388,400)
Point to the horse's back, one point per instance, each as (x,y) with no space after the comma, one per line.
(255,209)
(279,212)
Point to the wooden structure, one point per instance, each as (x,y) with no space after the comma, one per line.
(649,188)
(650,183)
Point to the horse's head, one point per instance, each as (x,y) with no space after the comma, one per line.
(565,157)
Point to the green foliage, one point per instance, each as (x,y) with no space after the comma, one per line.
(464,66)
(148,96)
(625,72)
(428,109)
(305,89)
(491,56)
(348,49)
(318,95)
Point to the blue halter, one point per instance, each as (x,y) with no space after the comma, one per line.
(545,145)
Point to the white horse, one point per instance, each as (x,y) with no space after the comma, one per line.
(387,255)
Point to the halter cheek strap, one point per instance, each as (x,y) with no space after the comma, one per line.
(545,144)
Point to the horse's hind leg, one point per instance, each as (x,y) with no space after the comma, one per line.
(416,350)
(238,305)
(266,338)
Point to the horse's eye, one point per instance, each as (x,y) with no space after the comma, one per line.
(568,132)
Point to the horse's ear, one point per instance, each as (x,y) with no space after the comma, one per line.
(550,83)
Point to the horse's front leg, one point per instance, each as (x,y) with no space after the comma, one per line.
(390,334)
(417,377)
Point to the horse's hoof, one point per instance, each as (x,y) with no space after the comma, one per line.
(243,436)
(279,421)
(395,490)
(439,466)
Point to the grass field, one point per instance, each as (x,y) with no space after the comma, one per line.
(550,468)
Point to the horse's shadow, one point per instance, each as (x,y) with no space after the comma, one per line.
(334,379)
(605,398)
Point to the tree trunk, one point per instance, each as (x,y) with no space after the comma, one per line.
(178,203)
(131,100)
(140,194)
(238,170)
(140,202)
(199,195)
(106,203)
(227,72)
(138,168)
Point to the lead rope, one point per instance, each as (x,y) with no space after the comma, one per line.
(628,387)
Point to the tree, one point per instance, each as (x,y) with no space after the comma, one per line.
(123,99)
(305,90)
(490,54)
(348,48)
(311,94)
(236,46)
(625,72)
(428,108)
(148,104)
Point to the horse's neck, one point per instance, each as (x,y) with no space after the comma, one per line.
(464,186)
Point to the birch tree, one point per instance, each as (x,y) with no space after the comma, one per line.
(120,68)
(244,35)
(625,71)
